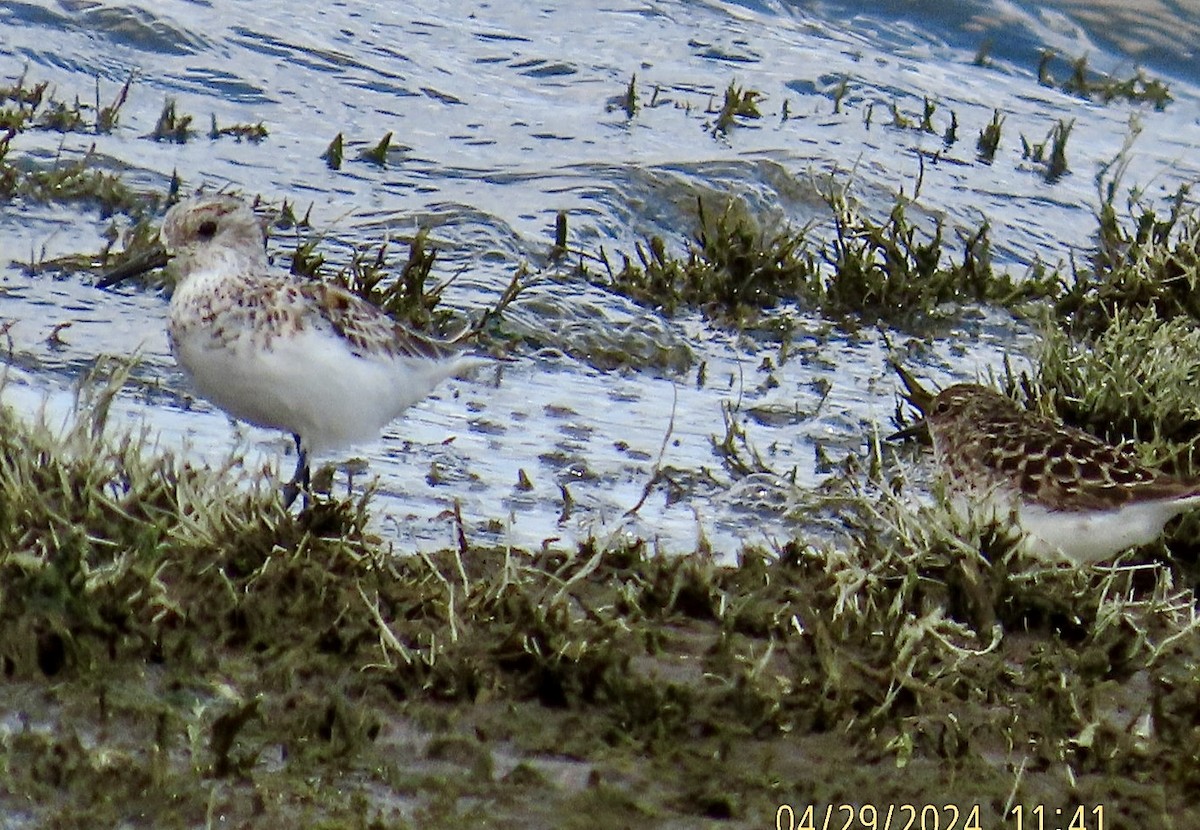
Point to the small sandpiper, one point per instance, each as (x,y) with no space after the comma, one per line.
(306,357)
(1069,492)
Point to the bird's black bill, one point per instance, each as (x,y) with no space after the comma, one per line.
(149,259)
(918,430)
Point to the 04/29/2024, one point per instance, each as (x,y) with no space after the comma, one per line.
(934,817)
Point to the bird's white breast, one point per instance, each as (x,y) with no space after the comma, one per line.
(250,349)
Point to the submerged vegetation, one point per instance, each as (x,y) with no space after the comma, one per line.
(1094,85)
(35,107)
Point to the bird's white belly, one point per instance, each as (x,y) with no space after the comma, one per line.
(307,383)
(1080,536)
(1091,536)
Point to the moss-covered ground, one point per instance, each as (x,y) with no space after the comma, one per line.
(177,652)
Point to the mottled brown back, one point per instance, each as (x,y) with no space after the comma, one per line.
(986,440)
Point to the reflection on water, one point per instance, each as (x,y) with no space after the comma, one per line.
(1114,35)
(500,120)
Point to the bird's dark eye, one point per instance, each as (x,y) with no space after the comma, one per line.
(207,229)
(941,407)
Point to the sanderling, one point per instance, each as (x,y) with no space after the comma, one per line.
(1069,492)
(306,357)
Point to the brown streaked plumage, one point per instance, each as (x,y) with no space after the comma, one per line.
(1064,487)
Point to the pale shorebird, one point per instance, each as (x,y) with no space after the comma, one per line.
(1069,492)
(302,356)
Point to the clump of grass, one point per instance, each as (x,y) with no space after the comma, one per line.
(989,138)
(86,519)
(12,120)
(254,133)
(891,270)
(737,452)
(1135,379)
(983,53)
(884,270)
(838,94)
(137,240)
(60,180)
(61,117)
(36,109)
(307,260)
(1043,70)
(1056,167)
(408,297)
(378,154)
(559,249)
(950,136)
(927,110)
(287,218)
(107,117)
(894,270)
(66,181)
(1149,260)
(334,153)
(24,96)
(732,269)
(171,126)
(1137,88)
(629,100)
(1099,86)
(943,595)
(900,121)
(1054,161)
(739,103)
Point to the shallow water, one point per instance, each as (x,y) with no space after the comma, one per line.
(501,119)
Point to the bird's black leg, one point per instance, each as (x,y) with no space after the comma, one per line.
(300,479)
